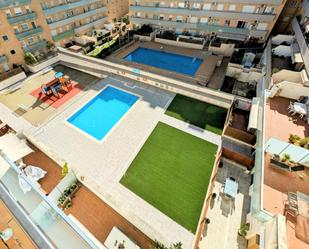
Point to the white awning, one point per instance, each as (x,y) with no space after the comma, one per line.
(254,112)
(13,147)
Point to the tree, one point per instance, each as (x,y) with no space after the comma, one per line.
(30,58)
(159,245)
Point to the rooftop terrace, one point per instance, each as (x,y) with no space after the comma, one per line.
(35,110)
(280,124)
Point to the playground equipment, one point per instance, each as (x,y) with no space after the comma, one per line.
(60,83)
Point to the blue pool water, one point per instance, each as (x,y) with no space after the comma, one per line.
(100,114)
(168,61)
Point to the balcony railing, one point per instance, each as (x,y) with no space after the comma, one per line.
(3,59)
(27,33)
(206,13)
(35,46)
(63,35)
(12,3)
(77,17)
(66,6)
(302,43)
(91,24)
(22,18)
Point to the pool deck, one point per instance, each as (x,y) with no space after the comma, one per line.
(204,72)
(102,164)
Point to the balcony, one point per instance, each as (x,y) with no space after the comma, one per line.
(6,3)
(90,25)
(66,6)
(302,43)
(3,59)
(63,35)
(27,33)
(22,18)
(35,46)
(205,13)
(74,18)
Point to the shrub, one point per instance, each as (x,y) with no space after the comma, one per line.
(303,142)
(294,138)
(65,170)
(30,58)
(244,229)
(286,158)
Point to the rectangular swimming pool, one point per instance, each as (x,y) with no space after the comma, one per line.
(100,115)
(167,61)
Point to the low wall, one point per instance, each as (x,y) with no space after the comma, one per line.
(179,43)
(142,37)
(292,90)
(241,159)
(240,135)
(12,80)
(242,74)
(43,64)
(226,50)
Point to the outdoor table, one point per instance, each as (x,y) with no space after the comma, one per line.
(116,237)
(230,188)
(303,204)
(300,108)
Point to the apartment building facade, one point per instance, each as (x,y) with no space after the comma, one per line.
(117,9)
(234,19)
(32,26)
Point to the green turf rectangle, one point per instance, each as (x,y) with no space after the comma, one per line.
(172,172)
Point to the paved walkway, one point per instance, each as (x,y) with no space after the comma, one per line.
(192,129)
(227,215)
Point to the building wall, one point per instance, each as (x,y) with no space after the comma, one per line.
(47,21)
(291,8)
(217,16)
(117,9)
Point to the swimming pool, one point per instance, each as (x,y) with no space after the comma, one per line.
(99,115)
(164,60)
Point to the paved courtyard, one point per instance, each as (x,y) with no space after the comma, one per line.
(226,215)
(103,164)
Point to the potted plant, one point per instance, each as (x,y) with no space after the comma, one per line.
(244,228)
(286,158)
(294,139)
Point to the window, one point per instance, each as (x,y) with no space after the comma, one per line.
(179,19)
(204,20)
(49,20)
(269,10)
(248,9)
(18,11)
(181,5)
(262,26)
(24,26)
(232,7)
(23,44)
(27,9)
(193,20)
(8,13)
(12,51)
(207,6)
(241,24)
(227,22)
(51,3)
(30,40)
(161,17)
(33,25)
(196,6)
(5,38)
(170,18)
(16,30)
(220,6)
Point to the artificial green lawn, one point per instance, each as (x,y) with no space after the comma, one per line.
(198,113)
(171,172)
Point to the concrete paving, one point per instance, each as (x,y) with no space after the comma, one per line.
(102,164)
(192,129)
(226,215)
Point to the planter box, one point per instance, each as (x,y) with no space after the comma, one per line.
(69,197)
(41,65)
